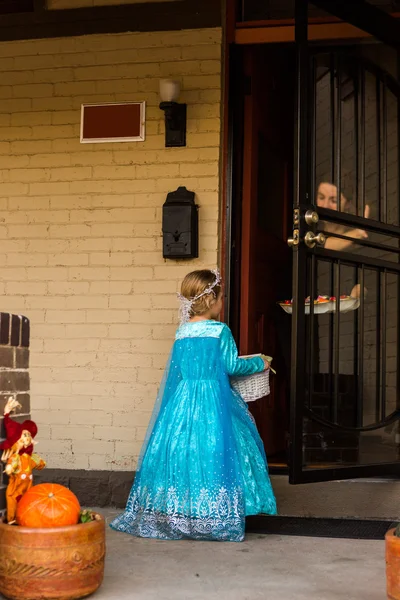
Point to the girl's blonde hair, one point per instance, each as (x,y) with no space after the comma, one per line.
(194,284)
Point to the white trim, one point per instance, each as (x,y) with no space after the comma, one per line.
(140,138)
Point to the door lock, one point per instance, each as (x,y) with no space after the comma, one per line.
(311,217)
(310,239)
(295,240)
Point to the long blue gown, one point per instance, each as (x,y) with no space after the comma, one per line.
(202,468)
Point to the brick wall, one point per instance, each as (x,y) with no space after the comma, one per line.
(14,373)
(81,229)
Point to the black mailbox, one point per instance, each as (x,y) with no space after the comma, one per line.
(180,225)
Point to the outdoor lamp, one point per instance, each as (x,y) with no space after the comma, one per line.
(175,114)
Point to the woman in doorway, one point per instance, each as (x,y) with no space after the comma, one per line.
(327,197)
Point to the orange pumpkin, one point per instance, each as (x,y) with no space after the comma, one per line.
(48,505)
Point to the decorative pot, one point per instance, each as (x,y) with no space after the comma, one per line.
(59,563)
(392,565)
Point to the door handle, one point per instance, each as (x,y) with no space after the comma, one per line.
(311,217)
(310,239)
(295,240)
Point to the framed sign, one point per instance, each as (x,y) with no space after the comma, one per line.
(113,122)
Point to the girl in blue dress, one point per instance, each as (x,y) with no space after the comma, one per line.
(202,468)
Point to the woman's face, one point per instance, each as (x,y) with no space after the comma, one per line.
(327,197)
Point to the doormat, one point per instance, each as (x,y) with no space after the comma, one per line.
(354,529)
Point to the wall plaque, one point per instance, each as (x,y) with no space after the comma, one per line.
(113,122)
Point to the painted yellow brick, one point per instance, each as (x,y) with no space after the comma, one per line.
(65,316)
(49,160)
(11,246)
(130,331)
(86,331)
(47,273)
(131,419)
(153,316)
(129,301)
(83,432)
(6,91)
(154,287)
(45,302)
(204,52)
(26,287)
(119,229)
(13,302)
(69,231)
(48,188)
(15,162)
(149,376)
(130,448)
(93,446)
(163,300)
(131,273)
(88,360)
(87,302)
(88,273)
(114,433)
(90,245)
(22,259)
(68,287)
(116,215)
(134,245)
(38,359)
(110,287)
(38,90)
(14,189)
(74,88)
(147,258)
(13,274)
(139,178)
(71,174)
(68,259)
(111,258)
(101,157)
(128,360)
(107,316)
(112,347)
(39,216)
(28,203)
(141,230)
(48,245)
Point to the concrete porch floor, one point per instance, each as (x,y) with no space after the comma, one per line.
(268,567)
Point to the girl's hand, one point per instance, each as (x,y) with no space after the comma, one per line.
(266,363)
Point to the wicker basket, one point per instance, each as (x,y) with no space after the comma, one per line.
(252,387)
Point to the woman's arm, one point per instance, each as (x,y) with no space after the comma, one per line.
(235,365)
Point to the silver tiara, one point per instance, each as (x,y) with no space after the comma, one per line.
(186,304)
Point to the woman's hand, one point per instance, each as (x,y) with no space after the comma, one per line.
(333,243)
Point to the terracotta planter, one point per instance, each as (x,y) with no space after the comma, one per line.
(392,565)
(62,563)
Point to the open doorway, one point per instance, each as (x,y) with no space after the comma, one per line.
(349,376)
(262,224)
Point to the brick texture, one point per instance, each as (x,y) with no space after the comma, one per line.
(81,229)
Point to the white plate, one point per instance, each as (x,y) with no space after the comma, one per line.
(346,305)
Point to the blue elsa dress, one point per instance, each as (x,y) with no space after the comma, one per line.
(202,468)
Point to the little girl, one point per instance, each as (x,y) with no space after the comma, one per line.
(202,468)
